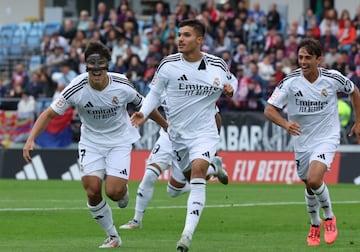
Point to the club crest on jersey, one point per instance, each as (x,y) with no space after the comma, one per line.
(216,82)
(324,92)
(60,103)
(115,100)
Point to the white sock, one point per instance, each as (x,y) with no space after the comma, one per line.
(323,196)
(312,206)
(145,191)
(175,191)
(103,216)
(195,205)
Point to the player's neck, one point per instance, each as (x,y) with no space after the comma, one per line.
(193,56)
(100,86)
(313,76)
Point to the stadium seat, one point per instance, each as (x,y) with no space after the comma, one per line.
(52,27)
(34,62)
(33,42)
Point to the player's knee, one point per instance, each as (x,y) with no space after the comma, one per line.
(116,193)
(175,191)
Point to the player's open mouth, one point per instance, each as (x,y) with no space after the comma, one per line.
(96,74)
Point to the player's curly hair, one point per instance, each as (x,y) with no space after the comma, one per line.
(95,47)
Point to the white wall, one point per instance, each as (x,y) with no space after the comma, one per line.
(15,11)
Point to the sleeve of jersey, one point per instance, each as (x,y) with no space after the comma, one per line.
(60,105)
(153,98)
(278,97)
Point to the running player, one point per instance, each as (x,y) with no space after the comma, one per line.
(101,99)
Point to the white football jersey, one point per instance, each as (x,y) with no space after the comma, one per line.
(312,105)
(191,91)
(103,114)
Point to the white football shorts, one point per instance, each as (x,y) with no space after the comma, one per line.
(162,152)
(101,161)
(187,150)
(323,153)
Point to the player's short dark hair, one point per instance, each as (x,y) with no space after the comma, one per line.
(198,26)
(312,46)
(95,47)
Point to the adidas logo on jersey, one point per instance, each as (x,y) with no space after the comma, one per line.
(88,105)
(124,172)
(206,154)
(299,93)
(322,156)
(183,78)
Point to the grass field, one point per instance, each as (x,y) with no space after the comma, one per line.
(52,216)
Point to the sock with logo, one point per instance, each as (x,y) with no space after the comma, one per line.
(102,214)
(195,205)
(312,206)
(323,196)
(145,191)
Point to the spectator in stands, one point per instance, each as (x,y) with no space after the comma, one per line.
(160,11)
(49,86)
(241,11)
(240,54)
(328,40)
(139,48)
(330,56)
(80,41)
(55,58)
(330,21)
(181,12)
(135,70)
(214,13)
(227,13)
(119,49)
(26,106)
(67,75)
(68,30)
(291,45)
(121,15)
(238,32)
(266,69)
(222,42)
(101,15)
(273,18)
(36,86)
(258,15)
(356,21)
(3,86)
(321,13)
(309,15)
(170,30)
(345,15)
(59,41)
(119,66)
(84,20)
(170,46)
(346,35)
(20,77)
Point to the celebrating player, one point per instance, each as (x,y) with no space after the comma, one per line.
(310,94)
(193,81)
(107,135)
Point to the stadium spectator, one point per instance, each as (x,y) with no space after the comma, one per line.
(20,76)
(68,30)
(273,18)
(346,35)
(26,106)
(356,20)
(258,15)
(160,12)
(314,147)
(330,21)
(108,150)
(36,85)
(101,15)
(241,11)
(84,20)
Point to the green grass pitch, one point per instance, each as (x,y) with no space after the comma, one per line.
(52,216)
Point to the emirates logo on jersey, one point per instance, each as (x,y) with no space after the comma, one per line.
(324,92)
(216,82)
(115,100)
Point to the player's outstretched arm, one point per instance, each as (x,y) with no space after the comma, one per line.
(39,126)
(272,113)
(355,102)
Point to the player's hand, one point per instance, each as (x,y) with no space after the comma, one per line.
(29,146)
(293,128)
(137,119)
(355,130)
(228,90)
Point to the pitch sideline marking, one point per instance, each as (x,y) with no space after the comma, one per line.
(174,207)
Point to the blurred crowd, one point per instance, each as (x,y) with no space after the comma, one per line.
(259,45)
